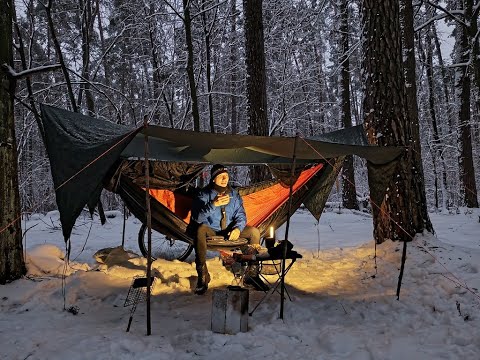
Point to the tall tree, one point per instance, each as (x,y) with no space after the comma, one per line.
(422,220)
(434,100)
(402,212)
(187,22)
(448,125)
(464,53)
(232,84)
(86,21)
(256,79)
(12,264)
(207,31)
(61,59)
(349,192)
(438,145)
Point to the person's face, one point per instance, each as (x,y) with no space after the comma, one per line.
(221,179)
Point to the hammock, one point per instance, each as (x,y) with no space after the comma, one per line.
(266,204)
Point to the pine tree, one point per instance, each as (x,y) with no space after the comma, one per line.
(12,264)
(402,212)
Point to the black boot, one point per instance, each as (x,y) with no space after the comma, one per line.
(253,279)
(203,280)
(256,282)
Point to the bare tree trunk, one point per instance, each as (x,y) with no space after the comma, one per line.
(234,73)
(105,62)
(23,59)
(440,172)
(421,219)
(187,21)
(428,59)
(467,173)
(256,77)
(319,126)
(255,64)
(157,78)
(87,28)
(349,191)
(402,212)
(471,18)
(12,265)
(441,64)
(206,32)
(169,108)
(449,111)
(48,10)
(304,89)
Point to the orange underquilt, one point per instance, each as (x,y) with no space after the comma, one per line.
(258,205)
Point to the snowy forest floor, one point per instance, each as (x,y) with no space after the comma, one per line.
(344,304)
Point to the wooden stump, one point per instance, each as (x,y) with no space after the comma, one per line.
(230,310)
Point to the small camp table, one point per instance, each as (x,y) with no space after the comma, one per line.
(274,263)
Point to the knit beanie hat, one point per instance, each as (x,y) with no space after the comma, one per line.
(217,169)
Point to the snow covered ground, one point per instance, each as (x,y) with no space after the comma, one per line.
(344,304)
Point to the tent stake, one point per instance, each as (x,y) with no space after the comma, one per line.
(287,226)
(400,276)
(149,227)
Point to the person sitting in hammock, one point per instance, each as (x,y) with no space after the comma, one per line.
(218,210)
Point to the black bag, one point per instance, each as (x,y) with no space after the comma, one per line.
(276,252)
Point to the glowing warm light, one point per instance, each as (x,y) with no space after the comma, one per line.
(271,232)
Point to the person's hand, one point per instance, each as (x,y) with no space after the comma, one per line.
(221,200)
(234,234)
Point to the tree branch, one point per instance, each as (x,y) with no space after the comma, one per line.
(451,14)
(56,43)
(11,73)
(174,10)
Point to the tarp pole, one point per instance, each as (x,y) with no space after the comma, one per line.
(287,226)
(149,231)
(124,224)
(404,256)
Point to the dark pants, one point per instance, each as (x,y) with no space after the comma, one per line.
(252,234)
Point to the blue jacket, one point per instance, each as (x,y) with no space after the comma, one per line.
(204,212)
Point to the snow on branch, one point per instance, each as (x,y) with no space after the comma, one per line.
(25,73)
(453,14)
